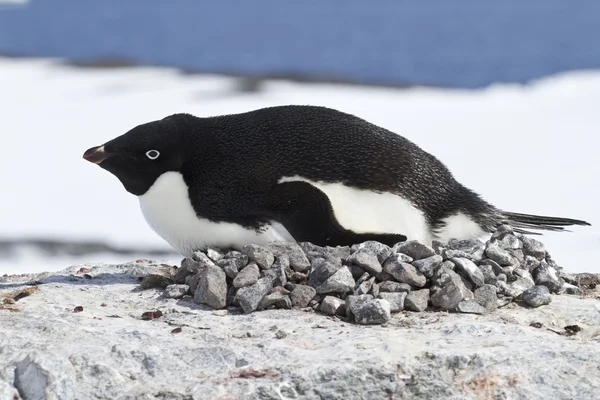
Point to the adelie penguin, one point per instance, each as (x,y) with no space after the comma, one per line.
(295,173)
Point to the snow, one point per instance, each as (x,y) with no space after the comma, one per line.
(530,149)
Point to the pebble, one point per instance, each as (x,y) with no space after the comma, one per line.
(161,278)
(277,272)
(396,300)
(547,276)
(214,254)
(277,300)
(212,287)
(417,300)
(470,307)
(176,291)
(233,262)
(340,282)
(372,312)
(189,266)
(453,292)
(391,286)
(487,297)
(322,269)
(404,272)
(537,296)
(353,302)
(428,265)
(366,260)
(260,255)
(331,305)
(301,295)
(365,287)
(380,250)
(414,249)
(249,297)
(296,257)
(247,276)
(498,254)
(470,269)
(534,248)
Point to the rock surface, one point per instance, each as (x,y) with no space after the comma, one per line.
(192,352)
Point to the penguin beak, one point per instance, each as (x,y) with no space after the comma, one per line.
(96,154)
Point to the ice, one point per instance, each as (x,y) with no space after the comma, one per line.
(529,149)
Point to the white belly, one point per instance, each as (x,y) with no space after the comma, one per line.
(363,211)
(168,211)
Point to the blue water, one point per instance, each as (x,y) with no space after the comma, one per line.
(446,43)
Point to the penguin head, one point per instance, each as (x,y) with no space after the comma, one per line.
(138,157)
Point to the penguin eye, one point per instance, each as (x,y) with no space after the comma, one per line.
(152,154)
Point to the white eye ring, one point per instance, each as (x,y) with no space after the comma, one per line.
(152,154)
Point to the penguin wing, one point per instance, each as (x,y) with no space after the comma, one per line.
(307,214)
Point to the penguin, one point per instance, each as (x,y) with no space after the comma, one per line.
(295,173)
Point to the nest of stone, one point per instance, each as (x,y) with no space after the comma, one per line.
(369,281)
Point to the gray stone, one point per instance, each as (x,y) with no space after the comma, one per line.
(366,260)
(516,288)
(498,254)
(375,290)
(502,277)
(247,276)
(331,305)
(470,269)
(372,312)
(356,271)
(537,296)
(448,254)
(472,249)
(353,302)
(365,287)
(233,262)
(404,272)
(440,276)
(379,250)
(495,266)
(453,292)
(249,297)
(489,277)
(414,249)
(340,282)
(470,307)
(214,254)
(510,242)
(396,300)
(192,281)
(260,255)
(212,287)
(502,231)
(322,269)
(438,247)
(428,265)
(275,300)
(339,253)
(417,300)
(570,289)
(523,273)
(159,278)
(176,291)
(534,248)
(297,259)
(487,297)
(391,286)
(277,272)
(530,263)
(547,276)
(189,266)
(203,259)
(301,295)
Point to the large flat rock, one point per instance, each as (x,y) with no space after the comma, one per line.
(108,351)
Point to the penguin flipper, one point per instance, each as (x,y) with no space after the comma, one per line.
(307,214)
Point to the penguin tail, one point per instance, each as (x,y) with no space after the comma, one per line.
(521,223)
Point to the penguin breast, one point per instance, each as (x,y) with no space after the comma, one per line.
(168,210)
